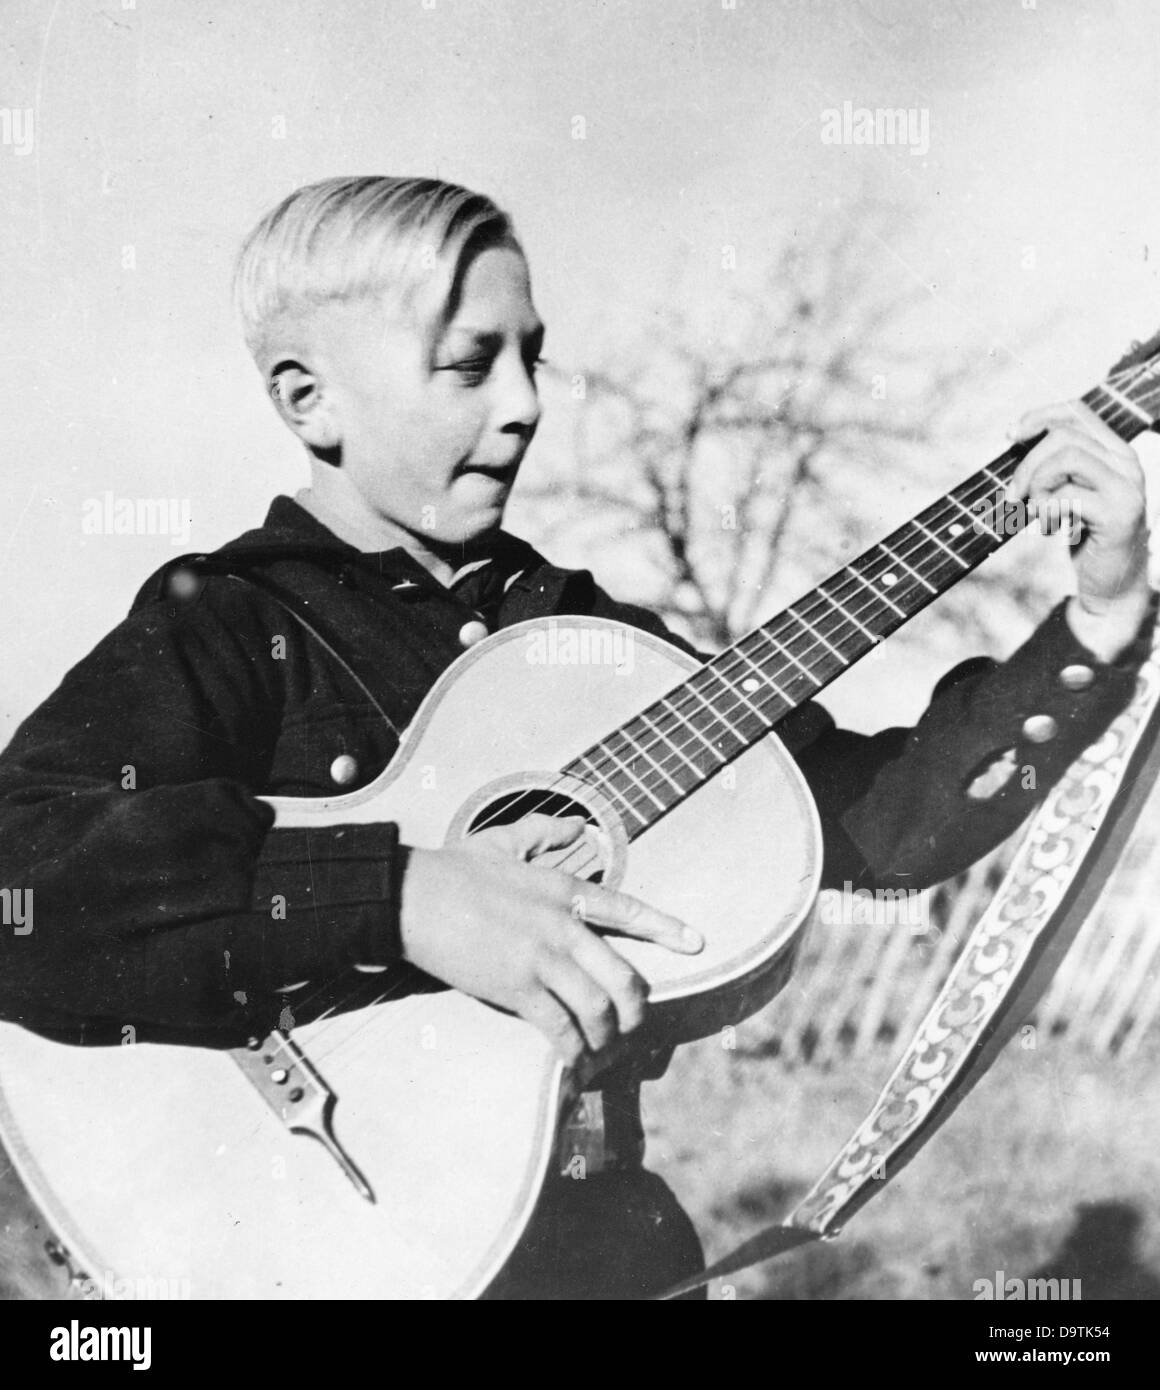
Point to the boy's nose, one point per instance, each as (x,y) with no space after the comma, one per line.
(520,401)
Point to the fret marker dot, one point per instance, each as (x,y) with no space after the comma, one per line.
(750,684)
(957,528)
(888,579)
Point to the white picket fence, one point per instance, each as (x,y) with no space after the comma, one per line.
(862,987)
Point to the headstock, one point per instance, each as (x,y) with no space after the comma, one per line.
(1139,355)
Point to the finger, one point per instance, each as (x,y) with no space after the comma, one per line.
(526,838)
(1075,415)
(616,977)
(1066,444)
(1044,417)
(537,833)
(1061,510)
(1078,513)
(601,907)
(546,1013)
(591,1006)
(1089,484)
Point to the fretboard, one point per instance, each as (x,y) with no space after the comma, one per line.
(651,763)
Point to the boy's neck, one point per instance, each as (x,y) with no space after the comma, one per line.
(331,500)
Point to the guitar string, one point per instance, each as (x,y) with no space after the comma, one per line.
(383,1030)
(827,612)
(591,859)
(690,751)
(749,707)
(403,1012)
(831,618)
(327,1016)
(585,850)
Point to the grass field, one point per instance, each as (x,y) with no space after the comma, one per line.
(1050,1168)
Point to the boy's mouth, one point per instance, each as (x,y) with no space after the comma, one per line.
(498,472)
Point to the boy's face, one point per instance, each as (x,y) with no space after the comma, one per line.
(433,441)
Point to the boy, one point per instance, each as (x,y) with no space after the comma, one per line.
(393,324)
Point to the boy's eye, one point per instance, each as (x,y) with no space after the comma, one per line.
(474,370)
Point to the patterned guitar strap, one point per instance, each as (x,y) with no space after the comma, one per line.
(1067,855)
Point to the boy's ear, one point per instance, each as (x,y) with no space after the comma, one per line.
(302,402)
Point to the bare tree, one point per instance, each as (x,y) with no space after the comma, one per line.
(750,456)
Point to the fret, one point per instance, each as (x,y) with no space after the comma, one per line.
(608,753)
(958,559)
(673,745)
(602,777)
(739,691)
(1123,403)
(865,583)
(692,689)
(899,561)
(649,759)
(1126,403)
(850,618)
(974,518)
(756,686)
(810,628)
(712,747)
(805,670)
(750,662)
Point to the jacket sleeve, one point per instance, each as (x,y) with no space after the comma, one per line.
(907,808)
(161,899)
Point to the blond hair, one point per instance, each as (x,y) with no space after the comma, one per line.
(345,238)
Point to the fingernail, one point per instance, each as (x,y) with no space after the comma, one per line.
(692,940)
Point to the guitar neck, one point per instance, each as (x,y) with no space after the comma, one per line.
(665,753)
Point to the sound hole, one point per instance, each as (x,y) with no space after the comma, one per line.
(586,859)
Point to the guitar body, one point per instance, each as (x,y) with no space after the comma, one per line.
(166,1163)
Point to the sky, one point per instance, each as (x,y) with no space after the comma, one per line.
(631,140)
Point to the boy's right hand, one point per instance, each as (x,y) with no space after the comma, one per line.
(482,919)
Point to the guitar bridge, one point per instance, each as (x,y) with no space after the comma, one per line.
(288,1082)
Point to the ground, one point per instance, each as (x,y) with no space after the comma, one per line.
(1050,1168)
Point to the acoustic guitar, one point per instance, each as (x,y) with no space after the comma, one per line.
(394,1143)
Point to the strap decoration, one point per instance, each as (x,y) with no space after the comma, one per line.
(1071,847)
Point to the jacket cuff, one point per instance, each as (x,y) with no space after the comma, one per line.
(993,742)
(334,887)
(1067,695)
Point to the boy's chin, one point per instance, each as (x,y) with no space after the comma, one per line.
(470,528)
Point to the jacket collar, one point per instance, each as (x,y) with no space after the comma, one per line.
(290,532)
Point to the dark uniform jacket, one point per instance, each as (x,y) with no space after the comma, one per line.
(128,800)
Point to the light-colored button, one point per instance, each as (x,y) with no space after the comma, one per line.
(344,770)
(1040,728)
(1077,677)
(472,632)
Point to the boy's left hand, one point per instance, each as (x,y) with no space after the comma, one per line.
(1086,471)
